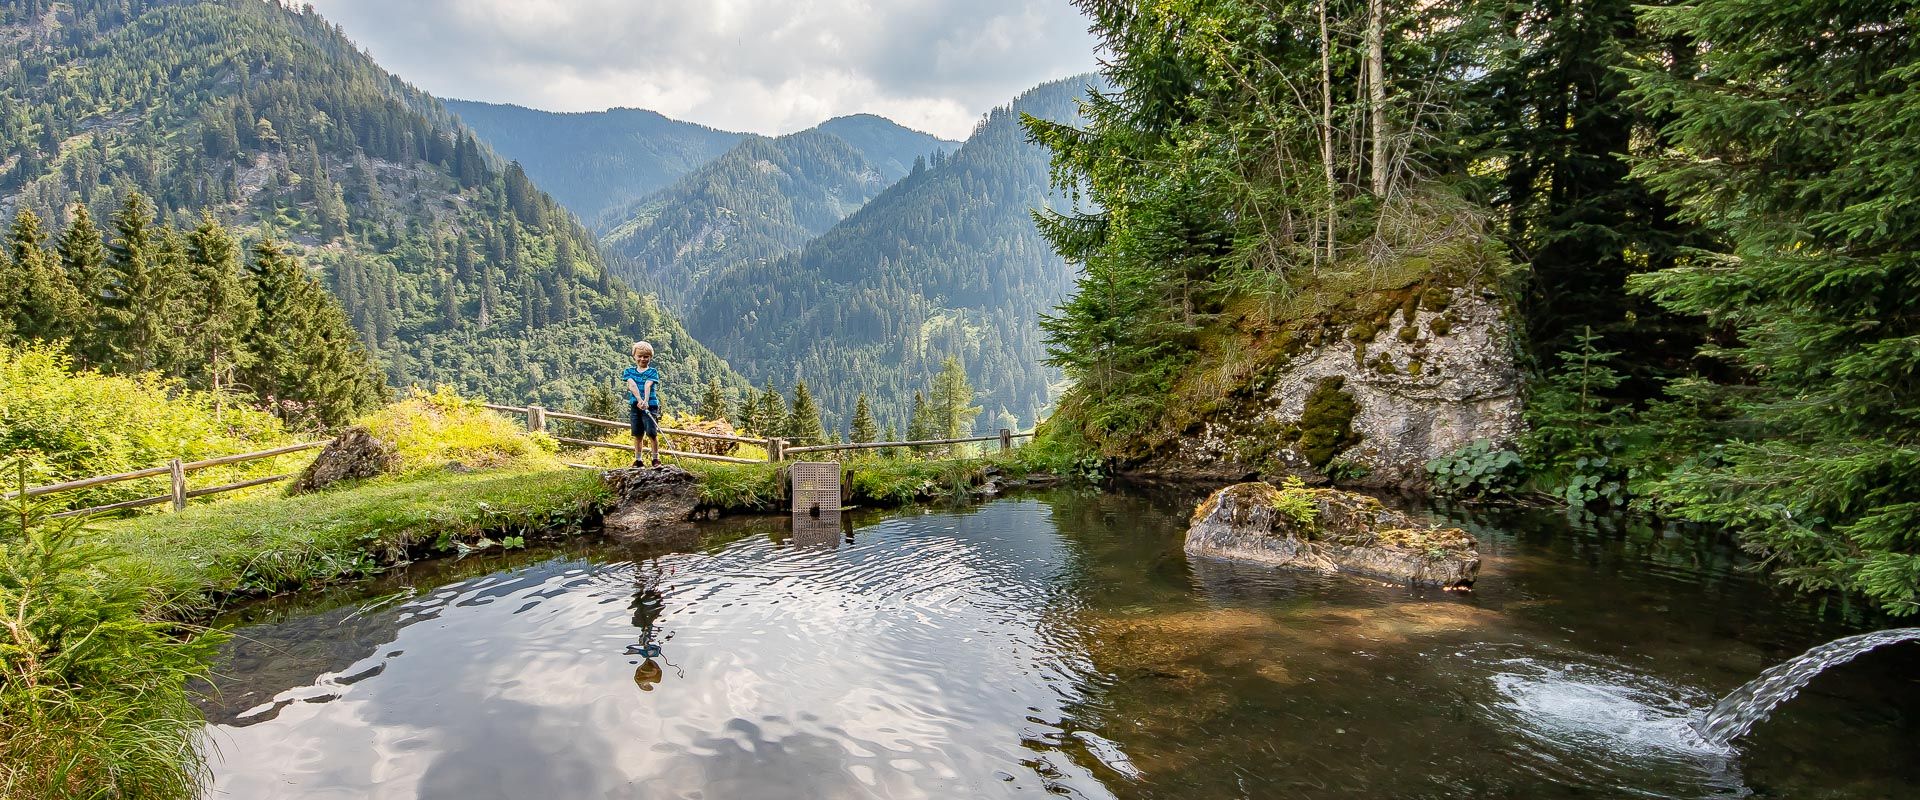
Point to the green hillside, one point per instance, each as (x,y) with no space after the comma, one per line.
(889,146)
(595,163)
(453,267)
(947,261)
(762,200)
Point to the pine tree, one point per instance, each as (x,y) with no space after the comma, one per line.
(713,404)
(307,356)
(803,423)
(773,411)
(920,423)
(136,298)
(749,414)
(219,309)
(865,429)
(1795,141)
(47,303)
(892,434)
(83,256)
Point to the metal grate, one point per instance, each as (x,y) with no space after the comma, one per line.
(816,486)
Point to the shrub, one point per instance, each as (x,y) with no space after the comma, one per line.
(77,423)
(93,698)
(439,428)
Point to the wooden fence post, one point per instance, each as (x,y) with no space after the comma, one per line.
(1006,440)
(774,448)
(536,419)
(179,484)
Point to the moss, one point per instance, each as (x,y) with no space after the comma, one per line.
(1436,298)
(1415,367)
(1409,333)
(1363,332)
(1383,364)
(1441,325)
(1326,426)
(1410,308)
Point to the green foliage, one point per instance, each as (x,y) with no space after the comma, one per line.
(77,423)
(1794,136)
(93,682)
(1478,470)
(803,423)
(713,403)
(864,428)
(436,429)
(1576,431)
(950,403)
(1298,503)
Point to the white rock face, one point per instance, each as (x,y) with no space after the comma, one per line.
(1454,379)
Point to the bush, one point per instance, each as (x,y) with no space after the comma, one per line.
(77,423)
(93,698)
(440,428)
(1477,470)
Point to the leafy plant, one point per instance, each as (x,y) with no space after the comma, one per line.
(1477,470)
(1296,502)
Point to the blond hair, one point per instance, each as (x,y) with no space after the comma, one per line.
(642,347)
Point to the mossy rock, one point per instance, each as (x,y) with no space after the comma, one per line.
(1326,424)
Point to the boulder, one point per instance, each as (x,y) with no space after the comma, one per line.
(1330,530)
(712,447)
(353,455)
(651,504)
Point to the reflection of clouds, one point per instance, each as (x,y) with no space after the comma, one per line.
(905,664)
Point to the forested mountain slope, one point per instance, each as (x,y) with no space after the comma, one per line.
(762,200)
(595,163)
(947,261)
(453,268)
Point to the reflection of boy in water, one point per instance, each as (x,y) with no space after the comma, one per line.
(647,605)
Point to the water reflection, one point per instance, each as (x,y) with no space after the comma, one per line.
(1059,643)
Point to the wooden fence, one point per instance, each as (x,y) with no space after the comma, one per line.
(179,494)
(776,447)
(178,470)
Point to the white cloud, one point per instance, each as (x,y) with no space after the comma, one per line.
(767,66)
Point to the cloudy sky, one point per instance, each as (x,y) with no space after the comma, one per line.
(767,66)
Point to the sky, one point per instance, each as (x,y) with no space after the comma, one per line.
(764,66)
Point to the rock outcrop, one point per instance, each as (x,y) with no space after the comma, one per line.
(712,447)
(651,504)
(353,455)
(1367,398)
(1330,530)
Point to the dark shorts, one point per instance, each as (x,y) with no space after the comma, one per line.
(647,424)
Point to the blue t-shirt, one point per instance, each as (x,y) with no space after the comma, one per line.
(640,377)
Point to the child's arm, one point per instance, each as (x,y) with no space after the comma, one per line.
(634,391)
(647,401)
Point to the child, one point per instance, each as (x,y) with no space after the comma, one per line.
(643,401)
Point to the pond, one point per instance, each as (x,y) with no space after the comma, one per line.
(1049,643)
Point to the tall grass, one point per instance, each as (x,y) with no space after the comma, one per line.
(93,698)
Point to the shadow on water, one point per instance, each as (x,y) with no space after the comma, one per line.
(1059,642)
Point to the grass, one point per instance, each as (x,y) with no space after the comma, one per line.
(203,554)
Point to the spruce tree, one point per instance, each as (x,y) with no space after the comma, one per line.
(713,404)
(773,410)
(83,256)
(749,414)
(920,423)
(803,423)
(865,429)
(135,307)
(46,301)
(307,356)
(1796,142)
(219,309)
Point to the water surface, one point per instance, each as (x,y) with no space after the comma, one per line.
(1051,643)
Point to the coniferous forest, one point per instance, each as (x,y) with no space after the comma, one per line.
(452,266)
(1712,206)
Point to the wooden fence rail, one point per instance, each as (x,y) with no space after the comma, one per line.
(777,448)
(175,469)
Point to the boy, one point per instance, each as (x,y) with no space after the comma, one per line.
(643,401)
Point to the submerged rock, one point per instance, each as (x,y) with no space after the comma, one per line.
(1330,530)
(353,455)
(651,504)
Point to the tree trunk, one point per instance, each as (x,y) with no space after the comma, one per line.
(1377,93)
(1326,124)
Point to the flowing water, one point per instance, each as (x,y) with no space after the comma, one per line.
(1750,704)
(1052,643)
